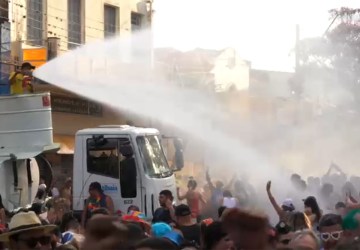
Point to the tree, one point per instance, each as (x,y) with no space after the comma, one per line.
(333,60)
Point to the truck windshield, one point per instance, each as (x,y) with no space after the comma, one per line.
(153,156)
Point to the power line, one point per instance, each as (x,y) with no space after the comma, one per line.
(49,25)
(90,19)
(63,19)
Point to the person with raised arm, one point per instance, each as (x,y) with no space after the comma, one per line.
(193,198)
(284,211)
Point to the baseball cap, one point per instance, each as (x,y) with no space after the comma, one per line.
(160,229)
(28,65)
(182,210)
(174,237)
(288,203)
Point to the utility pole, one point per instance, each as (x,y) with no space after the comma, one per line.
(150,10)
(297,48)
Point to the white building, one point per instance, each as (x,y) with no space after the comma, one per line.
(217,70)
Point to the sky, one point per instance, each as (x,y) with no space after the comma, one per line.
(262,31)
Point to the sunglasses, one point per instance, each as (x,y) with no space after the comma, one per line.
(32,242)
(333,235)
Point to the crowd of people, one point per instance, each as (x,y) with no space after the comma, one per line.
(214,217)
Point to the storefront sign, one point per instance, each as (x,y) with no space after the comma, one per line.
(75,105)
(37,57)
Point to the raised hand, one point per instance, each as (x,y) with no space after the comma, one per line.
(268,186)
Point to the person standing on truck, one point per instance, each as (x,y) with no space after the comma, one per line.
(20,80)
(165,213)
(96,200)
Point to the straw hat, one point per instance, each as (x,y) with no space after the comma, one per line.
(23,222)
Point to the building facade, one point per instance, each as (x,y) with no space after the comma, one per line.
(73,22)
(40,30)
(217,71)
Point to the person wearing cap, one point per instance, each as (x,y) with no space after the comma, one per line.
(174,237)
(27,232)
(284,211)
(189,229)
(20,80)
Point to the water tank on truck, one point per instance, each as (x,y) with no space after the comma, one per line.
(25,133)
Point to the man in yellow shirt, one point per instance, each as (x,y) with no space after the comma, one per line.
(20,81)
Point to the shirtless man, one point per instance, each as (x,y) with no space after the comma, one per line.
(194,199)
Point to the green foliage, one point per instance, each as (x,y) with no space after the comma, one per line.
(333,58)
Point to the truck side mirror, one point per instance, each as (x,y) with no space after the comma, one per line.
(179,154)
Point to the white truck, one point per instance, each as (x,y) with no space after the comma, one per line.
(25,133)
(128,162)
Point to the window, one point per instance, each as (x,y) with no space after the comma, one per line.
(5,56)
(35,20)
(4,11)
(152,154)
(74,23)
(113,157)
(136,20)
(103,157)
(110,17)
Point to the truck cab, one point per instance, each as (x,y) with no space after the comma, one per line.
(128,162)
